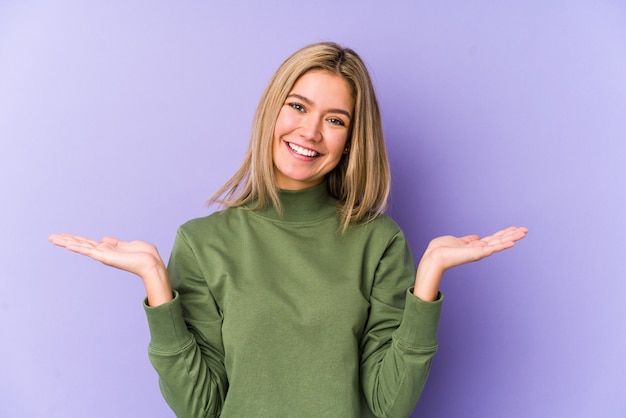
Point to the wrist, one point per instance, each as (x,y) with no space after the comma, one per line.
(158,287)
(428,278)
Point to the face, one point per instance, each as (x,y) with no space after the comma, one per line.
(312,128)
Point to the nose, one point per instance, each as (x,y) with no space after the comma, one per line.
(310,128)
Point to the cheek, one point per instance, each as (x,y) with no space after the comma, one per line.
(339,142)
(284,123)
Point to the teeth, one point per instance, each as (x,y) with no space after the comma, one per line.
(302,151)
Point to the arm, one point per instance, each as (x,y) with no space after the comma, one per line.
(186,347)
(401,332)
(137,257)
(400,337)
(446,252)
(186,351)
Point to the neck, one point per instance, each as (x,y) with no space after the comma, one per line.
(302,205)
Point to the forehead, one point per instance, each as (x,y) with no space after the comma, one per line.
(324,87)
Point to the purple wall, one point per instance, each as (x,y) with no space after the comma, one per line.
(122,117)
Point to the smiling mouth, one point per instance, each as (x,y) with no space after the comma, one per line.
(303,151)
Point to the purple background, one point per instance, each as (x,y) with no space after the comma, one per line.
(122,117)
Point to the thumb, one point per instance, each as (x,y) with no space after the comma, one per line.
(110,241)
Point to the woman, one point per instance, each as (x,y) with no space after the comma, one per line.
(300,298)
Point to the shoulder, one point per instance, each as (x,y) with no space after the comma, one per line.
(212,224)
(382,230)
(386,223)
(382,224)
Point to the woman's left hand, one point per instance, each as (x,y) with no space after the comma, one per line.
(447,251)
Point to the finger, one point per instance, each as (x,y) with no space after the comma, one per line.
(54,238)
(514,234)
(62,240)
(485,250)
(512,229)
(73,242)
(501,233)
(90,241)
(61,237)
(89,250)
(508,234)
(470,238)
(495,241)
(73,238)
(522,231)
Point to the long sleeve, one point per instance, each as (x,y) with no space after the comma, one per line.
(400,336)
(284,316)
(185,350)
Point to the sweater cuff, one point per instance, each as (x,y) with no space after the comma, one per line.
(168,330)
(419,322)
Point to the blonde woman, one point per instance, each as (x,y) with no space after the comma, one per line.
(300,298)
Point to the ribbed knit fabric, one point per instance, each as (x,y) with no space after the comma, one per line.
(283,316)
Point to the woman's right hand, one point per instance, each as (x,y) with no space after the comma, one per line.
(138,257)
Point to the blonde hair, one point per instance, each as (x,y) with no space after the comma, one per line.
(361,180)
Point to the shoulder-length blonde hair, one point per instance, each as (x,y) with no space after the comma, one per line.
(361,180)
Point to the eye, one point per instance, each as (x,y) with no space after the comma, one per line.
(336,121)
(297,106)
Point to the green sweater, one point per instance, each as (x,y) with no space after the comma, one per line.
(282,316)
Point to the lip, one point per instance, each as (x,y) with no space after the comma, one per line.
(300,156)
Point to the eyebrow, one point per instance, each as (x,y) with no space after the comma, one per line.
(310,102)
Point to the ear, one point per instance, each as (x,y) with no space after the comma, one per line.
(346,150)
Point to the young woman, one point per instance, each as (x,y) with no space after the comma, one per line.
(301,298)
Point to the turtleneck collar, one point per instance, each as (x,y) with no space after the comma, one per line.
(302,205)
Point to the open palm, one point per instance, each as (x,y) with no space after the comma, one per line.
(137,257)
(449,251)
